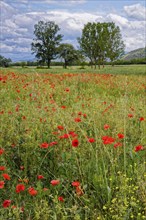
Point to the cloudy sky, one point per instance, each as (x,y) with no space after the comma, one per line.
(19,16)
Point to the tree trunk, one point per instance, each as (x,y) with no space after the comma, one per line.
(103,63)
(48,63)
(91,64)
(99,64)
(65,64)
(112,62)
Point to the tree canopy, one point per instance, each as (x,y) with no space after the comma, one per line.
(115,45)
(4,62)
(100,41)
(46,42)
(68,53)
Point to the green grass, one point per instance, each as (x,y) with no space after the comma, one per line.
(123,69)
(111,173)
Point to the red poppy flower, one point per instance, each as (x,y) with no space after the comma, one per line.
(2,183)
(120,136)
(75,184)
(106,126)
(55,182)
(44,145)
(138,148)
(91,140)
(130,115)
(21,167)
(75,143)
(63,106)
(6,176)
(71,133)
(84,115)
(32,191)
(108,140)
(1,151)
(45,189)
(67,89)
(141,119)
(53,143)
(19,188)
(22,209)
(6,203)
(117,145)
(61,199)
(79,113)
(39,177)
(17,108)
(60,127)
(2,168)
(77,120)
(13,207)
(79,191)
(64,136)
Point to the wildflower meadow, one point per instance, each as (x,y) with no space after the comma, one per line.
(72,145)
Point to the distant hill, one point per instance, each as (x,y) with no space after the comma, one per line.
(135,54)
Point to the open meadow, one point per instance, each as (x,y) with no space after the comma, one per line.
(73,143)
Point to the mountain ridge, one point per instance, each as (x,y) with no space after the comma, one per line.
(139,53)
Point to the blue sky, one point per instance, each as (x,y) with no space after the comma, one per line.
(19,16)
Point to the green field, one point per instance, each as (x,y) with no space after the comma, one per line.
(73,143)
(123,69)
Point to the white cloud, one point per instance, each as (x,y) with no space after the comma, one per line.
(17,26)
(131,41)
(70,23)
(20,41)
(136,11)
(124,23)
(6,48)
(23,20)
(66,2)
(14,49)
(119,20)
(6,10)
(133,32)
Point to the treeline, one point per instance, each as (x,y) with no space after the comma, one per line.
(8,63)
(4,62)
(98,43)
(130,62)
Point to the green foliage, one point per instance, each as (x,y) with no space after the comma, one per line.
(100,41)
(46,42)
(68,53)
(4,62)
(115,46)
(112,179)
(130,62)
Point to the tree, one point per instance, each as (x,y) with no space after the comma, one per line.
(87,42)
(4,62)
(115,45)
(100,41)
(46,42)
(68,53)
